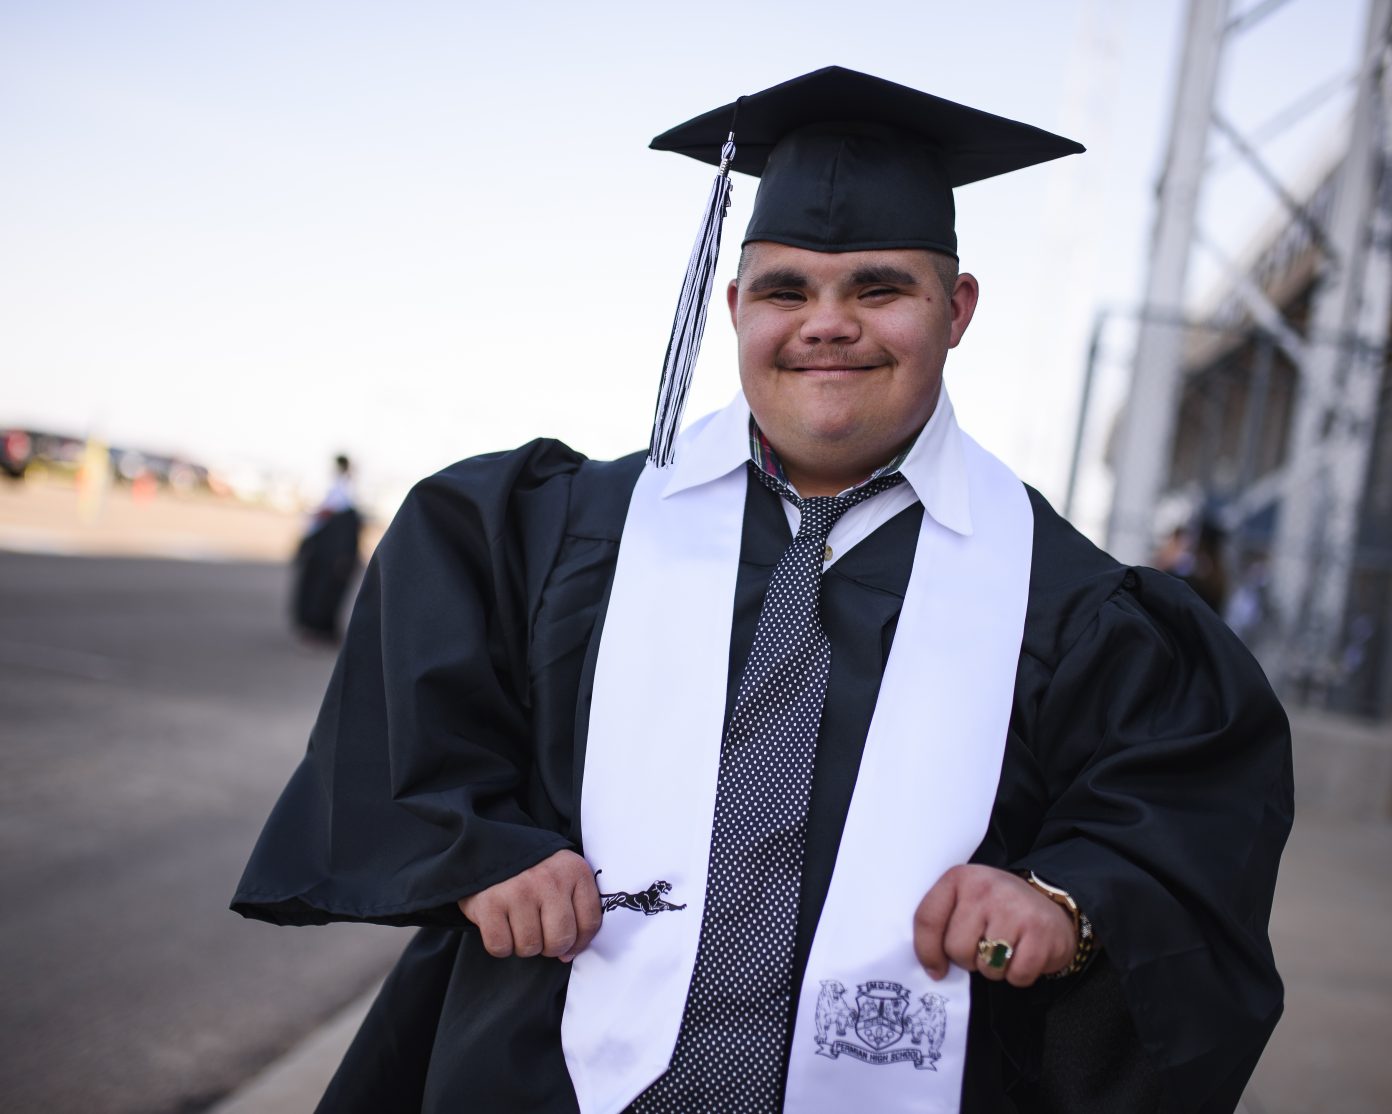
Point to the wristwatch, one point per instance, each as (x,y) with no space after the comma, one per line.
(1082,927)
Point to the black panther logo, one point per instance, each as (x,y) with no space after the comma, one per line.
(649,902)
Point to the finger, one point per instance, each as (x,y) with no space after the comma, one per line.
(1028,962)
(524,921)
(964,932)
(493,929)
(588,915)
(1058,941)
(982,962)
(558,929)
(930,922)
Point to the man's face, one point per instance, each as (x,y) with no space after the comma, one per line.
(841,353)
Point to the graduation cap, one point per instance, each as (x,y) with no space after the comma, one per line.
(847,162)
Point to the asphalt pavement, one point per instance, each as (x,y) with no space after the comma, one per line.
(151,710)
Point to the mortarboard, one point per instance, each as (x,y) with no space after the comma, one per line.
(847,162)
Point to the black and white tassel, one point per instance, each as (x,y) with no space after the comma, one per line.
(690,320)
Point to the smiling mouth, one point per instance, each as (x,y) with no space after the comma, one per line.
(847,368)
(832,361)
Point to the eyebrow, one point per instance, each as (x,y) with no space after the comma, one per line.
(779,276)
(883,273)
(783,277)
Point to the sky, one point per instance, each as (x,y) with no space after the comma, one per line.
(261,233)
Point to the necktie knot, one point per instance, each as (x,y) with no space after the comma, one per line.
(819,513)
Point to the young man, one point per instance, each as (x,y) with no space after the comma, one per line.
(843,736)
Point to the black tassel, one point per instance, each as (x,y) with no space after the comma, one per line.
(690,320)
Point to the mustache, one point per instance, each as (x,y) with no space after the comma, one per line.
(793,360)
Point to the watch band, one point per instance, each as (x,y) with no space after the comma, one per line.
(1082,927)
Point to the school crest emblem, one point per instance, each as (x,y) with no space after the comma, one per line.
(883,1017)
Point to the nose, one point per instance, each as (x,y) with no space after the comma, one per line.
(829,321)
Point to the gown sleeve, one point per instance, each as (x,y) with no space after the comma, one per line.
(414,791)
(1168,765)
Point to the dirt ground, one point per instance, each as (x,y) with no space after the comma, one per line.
(42,515)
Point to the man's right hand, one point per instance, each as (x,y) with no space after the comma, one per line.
(549,909)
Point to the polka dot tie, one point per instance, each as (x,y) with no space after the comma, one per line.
(732,1046)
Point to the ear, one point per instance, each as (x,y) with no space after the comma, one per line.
(963,304)
(732,299)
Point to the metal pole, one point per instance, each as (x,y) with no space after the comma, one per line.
(1148,425)
(1084,403)
(1258,391)
(1333,427)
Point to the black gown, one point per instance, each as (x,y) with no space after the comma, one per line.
(1146,770)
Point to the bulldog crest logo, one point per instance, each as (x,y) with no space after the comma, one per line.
(881,1017)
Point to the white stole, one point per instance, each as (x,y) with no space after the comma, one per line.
(872,1030)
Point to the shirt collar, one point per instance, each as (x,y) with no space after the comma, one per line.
(711,447)
(934,466)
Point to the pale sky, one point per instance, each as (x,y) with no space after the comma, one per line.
(269,231)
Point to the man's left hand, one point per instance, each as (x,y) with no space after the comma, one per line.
(971,903)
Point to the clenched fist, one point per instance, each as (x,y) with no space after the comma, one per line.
(549,909)
(971,902)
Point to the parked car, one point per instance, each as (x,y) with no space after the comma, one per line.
(16,451)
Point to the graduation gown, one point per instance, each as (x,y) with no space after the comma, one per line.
(1146,770)
(324,566)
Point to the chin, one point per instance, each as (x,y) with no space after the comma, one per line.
(831,432)
(834,423)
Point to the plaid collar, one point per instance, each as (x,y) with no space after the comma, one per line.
(765,458)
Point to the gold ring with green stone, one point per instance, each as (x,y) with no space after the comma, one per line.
(994,953)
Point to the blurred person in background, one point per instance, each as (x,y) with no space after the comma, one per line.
(94,479)
(1248,610)
(1196,557)
(327,559)
(1175,555)
(1209,574)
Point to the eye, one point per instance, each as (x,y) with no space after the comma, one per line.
(878,293)
(787,297)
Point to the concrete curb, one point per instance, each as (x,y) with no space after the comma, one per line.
(295,1083)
